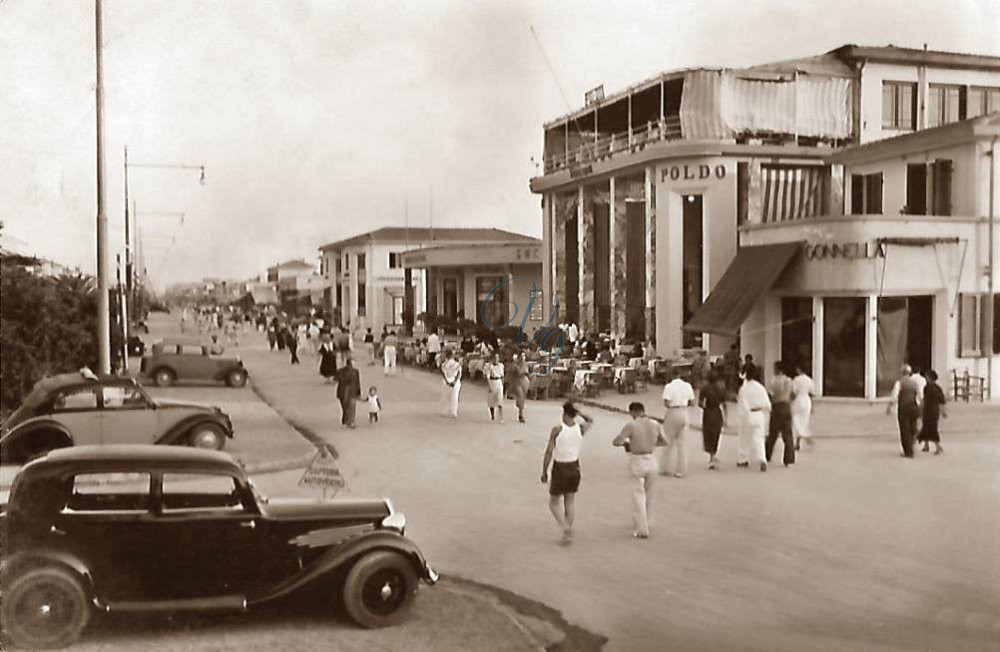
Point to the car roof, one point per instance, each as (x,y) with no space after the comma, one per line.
(133,457)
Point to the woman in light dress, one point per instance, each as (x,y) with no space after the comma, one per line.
(494,372)
(803,389)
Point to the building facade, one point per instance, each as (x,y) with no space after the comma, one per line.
(644,192)
(906,273)
(366,283)
(490,284)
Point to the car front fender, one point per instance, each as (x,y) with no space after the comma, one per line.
(348,553)
(181,428)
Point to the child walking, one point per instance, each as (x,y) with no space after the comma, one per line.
(374,405)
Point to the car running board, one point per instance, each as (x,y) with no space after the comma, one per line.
(222,603)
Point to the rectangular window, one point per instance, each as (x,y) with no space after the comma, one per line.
(362,299)
(121,397)
(361,262)
(337,267)
(109,492)
(944,104)
(978,330)
(200,491)
(866,194)
(844,346)
(916,189)
(538,307)
(496,309)
(899,105)
(83,398)
(449,292)
(395,260)
(933,177)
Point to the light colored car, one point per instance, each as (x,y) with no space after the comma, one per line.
(185,359)
(83,408)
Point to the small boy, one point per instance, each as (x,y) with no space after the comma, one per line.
(374,405)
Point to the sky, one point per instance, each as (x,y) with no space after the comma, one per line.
(320,119)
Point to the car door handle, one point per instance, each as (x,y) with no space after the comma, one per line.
(248,524)
(55,530)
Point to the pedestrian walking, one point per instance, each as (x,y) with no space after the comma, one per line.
(933,410)
(389,353)
(374,404)
(712,400)
(314,337)
(754,404)
(494,372)
(640,437)
(803,390)
(348,391)
(327,360)
(292,341)
(520,381)
(451,369)
(369,341)
(433,349)
(905,398)
(563,454)
(678,395)
(781,416)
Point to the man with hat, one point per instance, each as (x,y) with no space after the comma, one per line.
(563,453)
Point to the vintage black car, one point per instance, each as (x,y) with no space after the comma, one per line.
(149,528)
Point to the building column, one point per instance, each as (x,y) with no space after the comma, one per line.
(618,245)
(871,345)
(408,312)
(558,288)
(818,349)
(649,191)
(548,258)
(585,223)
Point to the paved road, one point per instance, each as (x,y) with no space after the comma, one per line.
(854,548)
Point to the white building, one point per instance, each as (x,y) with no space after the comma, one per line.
(366,281)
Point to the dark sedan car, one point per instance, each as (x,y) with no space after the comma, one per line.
(148,528)
(86,408)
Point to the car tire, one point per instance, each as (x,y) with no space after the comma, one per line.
(164,377)
(44,608)
(236,378)
(210,436)
(380,589)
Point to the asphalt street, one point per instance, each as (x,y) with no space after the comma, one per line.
(852,549)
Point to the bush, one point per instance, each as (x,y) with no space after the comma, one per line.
(48,325)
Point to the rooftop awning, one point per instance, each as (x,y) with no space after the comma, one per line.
(751,274)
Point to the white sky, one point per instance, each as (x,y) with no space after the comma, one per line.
(318,119)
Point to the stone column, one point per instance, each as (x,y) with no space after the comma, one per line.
(619,245)
(559,215)
(585,227)
(650,194)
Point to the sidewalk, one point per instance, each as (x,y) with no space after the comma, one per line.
(831,417)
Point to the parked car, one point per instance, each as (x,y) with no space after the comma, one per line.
(85,408)
(148,528)
(183,359)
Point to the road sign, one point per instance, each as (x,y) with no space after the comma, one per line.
(323,472)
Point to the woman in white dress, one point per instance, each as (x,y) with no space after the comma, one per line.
(803,389)
(494,372)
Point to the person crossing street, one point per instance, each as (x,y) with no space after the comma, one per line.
(678,395)
(451,369)
(563,454)
(781,416)
(639,438)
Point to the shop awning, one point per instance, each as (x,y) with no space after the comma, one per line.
(750,275)
(917,242)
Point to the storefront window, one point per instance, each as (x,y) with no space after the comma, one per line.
(496,308)
(844,346)
(797,332)
(449,295)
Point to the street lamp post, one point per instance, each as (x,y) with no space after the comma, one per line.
(103,306)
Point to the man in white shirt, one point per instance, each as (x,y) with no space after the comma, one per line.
(678,395)
(433,349)
(755,405)
(451,369)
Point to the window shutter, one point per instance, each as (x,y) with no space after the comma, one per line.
(857,194)
(916,189)
(942,187)
(874,199)
(985,325)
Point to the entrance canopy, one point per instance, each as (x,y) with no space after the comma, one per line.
(752,273)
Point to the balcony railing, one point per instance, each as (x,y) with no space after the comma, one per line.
(608,145)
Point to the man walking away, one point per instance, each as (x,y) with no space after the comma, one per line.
(755,405)
(348,391)
(563,452)
(639,438)
(677,396)
(905,398)
(292,340)
(433,349)
(370,346)
(781,416)
(451,369)
(389,353)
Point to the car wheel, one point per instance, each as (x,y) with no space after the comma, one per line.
(44,608)
(208,435)
(236,378)
(379,589)
(164,378)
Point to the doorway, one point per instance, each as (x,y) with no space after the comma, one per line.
(797,333)
(904,335)
(844,346)
(693,255)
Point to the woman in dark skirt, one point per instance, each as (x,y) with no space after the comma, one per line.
(713,405)
(327,360)
(934,409)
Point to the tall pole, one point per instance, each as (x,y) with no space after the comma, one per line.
(128,241)
(103,307)
(991,283)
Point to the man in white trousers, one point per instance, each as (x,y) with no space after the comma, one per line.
(755,405)
(640,437)
(389,353)
(678,396)
(451,369)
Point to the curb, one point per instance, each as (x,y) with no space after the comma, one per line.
(308,433)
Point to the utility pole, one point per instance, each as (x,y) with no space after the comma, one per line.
(103,307)
(128,245)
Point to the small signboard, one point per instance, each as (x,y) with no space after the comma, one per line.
(323,472)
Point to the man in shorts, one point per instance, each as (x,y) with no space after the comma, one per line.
(563,452)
